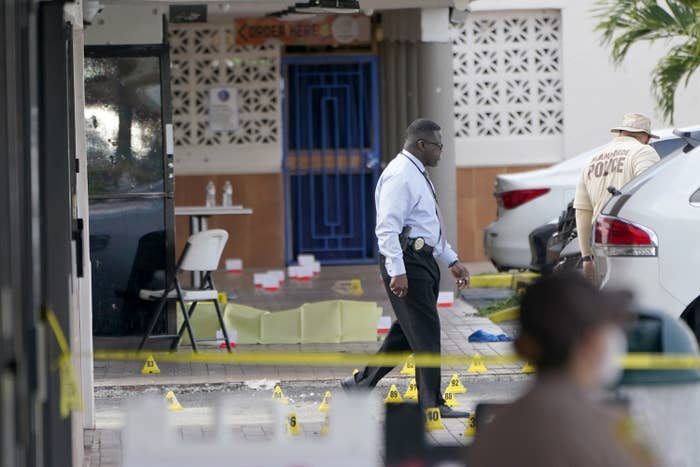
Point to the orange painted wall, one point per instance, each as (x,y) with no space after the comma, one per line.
(476,207)
(258,238)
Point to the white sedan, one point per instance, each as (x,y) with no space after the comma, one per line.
(647,238)
(530,199)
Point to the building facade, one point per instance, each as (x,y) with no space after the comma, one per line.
(531,83)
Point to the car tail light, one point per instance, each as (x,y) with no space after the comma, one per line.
(515,198)
(619,237)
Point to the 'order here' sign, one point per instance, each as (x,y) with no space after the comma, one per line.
(320,30)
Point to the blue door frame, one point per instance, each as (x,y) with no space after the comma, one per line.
(331,157)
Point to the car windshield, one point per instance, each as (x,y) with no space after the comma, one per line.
(636,182)
(668,146)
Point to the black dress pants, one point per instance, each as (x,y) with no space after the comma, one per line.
(417,325)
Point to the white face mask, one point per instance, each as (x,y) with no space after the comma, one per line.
(615,347)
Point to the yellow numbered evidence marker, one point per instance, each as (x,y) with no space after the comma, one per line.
(455,386)
(409,368)
(471,426)
(324,427)
(223,299)
(278,395)
(450,399)
(394,397)
(150,366)
(477,365)
(356,287)
(293,425)
(433,421)
(325,403)
(411,391)
(172,402)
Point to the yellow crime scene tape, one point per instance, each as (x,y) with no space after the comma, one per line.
(632,361)
(69,392)
(70,398)
(300,358)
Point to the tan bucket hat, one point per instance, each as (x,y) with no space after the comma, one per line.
(636,123)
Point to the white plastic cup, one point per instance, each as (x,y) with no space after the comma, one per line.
(258,279)
(446,299)
(306,273)
(232,338)
(234,265)
(271,283)
(306,260)
(278,274)
(383,325)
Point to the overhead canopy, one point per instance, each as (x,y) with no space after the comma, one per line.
(270,6)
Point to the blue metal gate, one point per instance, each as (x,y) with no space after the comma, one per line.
(331,157)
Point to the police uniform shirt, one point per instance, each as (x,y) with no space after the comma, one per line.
(617,164)
(405,197)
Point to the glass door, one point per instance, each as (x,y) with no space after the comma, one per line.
(130,183)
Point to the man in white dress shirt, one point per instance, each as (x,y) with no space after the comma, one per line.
(410,235)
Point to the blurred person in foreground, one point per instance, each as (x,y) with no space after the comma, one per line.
(573,333)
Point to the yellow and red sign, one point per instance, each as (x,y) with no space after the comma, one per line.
(329,30)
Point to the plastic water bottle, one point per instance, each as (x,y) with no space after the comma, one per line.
(211,194)
(227,198)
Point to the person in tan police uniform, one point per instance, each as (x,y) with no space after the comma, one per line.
(627,156)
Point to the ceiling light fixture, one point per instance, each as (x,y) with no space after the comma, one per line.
(328,7)
(291,15)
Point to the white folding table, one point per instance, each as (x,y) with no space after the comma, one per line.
(198,220)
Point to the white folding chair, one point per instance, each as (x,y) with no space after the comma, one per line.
(201,254)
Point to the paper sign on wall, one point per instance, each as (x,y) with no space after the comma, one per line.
(223,109)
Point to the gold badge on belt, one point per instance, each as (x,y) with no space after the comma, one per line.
(418,244)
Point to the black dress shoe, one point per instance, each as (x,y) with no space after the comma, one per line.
(448,412)
(350,384)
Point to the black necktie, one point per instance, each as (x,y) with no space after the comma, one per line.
(437,205)
(432,190)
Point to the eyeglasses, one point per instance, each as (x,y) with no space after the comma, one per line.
(439,145)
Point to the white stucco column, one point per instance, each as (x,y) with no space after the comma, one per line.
(81,313)
(436,102)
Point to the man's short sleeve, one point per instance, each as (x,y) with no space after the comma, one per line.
(645,158)
(581,199)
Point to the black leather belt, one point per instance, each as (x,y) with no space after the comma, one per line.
(418,244)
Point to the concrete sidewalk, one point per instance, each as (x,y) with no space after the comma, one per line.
(458,322)
(116,382)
